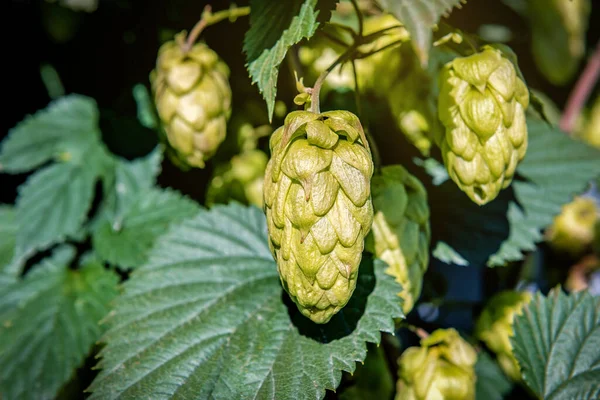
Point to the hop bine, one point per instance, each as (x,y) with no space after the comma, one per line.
(400,235)
(482,105)
(193,99)
(441,368)
(318,204)
(495,327)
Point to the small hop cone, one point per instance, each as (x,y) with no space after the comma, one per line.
(573,229)
(193,99)
(318,204)
(240,179)
(442,368)
(495,327)
(482,106)
(401,233)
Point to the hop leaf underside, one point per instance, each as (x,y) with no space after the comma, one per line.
(318,205)
(193,99)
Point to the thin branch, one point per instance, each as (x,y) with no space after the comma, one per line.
(581,92)
(360,18)
(208,19)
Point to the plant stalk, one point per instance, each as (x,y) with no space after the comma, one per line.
(208,19)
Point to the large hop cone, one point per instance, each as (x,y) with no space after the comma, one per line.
(400,235)
(495,327)
(193,99)
(558,30)
(482,105)
(441,368)
(318,203)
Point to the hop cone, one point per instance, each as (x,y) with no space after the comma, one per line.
(495,327)
(482,106)
(318,204)
(193,99)
(558,36)
(573,229)
(591,129)
(241,179)
(442,368)
(400,235)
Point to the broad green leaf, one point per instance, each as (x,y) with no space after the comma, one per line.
(53,203)
(206,317)
(126,240)
(557,344)
(126,180)
(63,130)
(8,235)
(275,26)
(420,17)
(556,168)
(447,254)
(48,324)
(491,384)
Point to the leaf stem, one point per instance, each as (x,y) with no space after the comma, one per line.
(208,19)
(360,17)
(581,92)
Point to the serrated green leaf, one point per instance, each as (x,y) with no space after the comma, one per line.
(127,180)
(447,254)
(557,168)
(420,17)
(275,26)
(491,383)
(204,318)
(557,345)
(53,203)
(48,323)
(8,235)
(126,240)
(62,130)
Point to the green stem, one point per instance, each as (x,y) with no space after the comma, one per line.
(360,18)
(208,19)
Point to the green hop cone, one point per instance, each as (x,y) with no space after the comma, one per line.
(193,99)
(495,327)
(442,368)
(558,29)
(482,105)
(572,231)
(318,204)
(241,179)
(401,234)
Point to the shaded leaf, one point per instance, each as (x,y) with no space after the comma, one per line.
(491,383)
(275,26)
(8,235)
(48,323)
(420,17)
(204,318)
(126,240)
(557,345)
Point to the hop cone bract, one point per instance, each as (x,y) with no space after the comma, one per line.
(318,205)
(400,234)
(482,105)
(442,368)
(193,99)
(495,327)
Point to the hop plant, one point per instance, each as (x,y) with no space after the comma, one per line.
(240,179)
(558,36)
(193,99)
(318,204)
(441,368)
(482,105)
(495,327)
(400,234)
(573,229)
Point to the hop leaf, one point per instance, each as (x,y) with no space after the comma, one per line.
(401,232)
(482,106)
(318,204)
(193,99)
